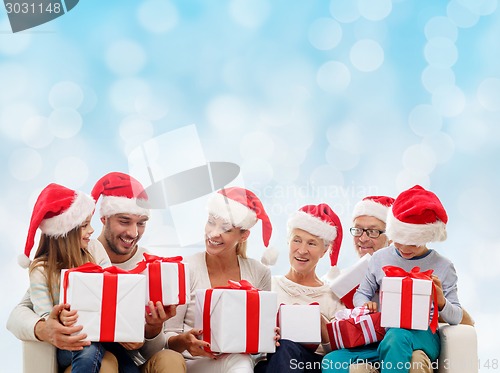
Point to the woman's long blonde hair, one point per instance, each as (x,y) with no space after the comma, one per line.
(56,253)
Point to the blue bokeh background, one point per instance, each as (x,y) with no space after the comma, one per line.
(316,101)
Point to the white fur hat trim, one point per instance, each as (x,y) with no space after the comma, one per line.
(315,226)
(112,205)
(81,207)
(414,234)
(234,212)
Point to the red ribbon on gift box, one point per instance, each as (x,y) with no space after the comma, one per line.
(109,296)
(252,313)
(407,291)
(153,263)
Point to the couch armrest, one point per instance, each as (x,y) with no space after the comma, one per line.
(458,349)
(39,357)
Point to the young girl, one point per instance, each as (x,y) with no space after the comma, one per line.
(63,215)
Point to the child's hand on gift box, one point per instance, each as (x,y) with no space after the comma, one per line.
(68,317)
(156,316)
(372,306)
(439,291)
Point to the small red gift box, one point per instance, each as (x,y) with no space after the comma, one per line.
(167,279)
(405,299)
(354,327)
(237,318)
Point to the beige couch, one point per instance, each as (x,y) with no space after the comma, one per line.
(458,352)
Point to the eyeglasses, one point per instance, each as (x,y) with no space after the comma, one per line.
(372,233)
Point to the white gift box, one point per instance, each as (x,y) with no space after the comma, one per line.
(396,313)
(236,322)
(345,284)
(167,282)
(120,318)
(300,323)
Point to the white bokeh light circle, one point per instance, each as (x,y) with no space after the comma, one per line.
(341,159)
(15,81)
(152,106)
(249,13)
(407,178)
(488,94)
(36,132)
(441,52)
(469,132)
(66,94)
(345,11)
(228,113)
(374,10)
(25,164)
(434,77)
(136,129)
(65,123)
(480,7)
(71,171)
(366,55)
(326,175)
(449,101)
(441,27)
(325,33)
(424,120)
(257,145)
(124,93)
(13,117)
(259,171)
(125,57)
(13,43)
(442,146)
(333,77)
(157,16)
(461,15)
(419,158)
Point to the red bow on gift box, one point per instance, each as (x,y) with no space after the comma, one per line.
(110,291)
(406,293)
(252,314)
(153,263)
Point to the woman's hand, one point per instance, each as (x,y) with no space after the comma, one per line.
(277,336)
(189,341)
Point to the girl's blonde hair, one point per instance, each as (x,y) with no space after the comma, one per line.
(241,247)
(56,253)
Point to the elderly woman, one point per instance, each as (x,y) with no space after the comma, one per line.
(313,230)
(231,214)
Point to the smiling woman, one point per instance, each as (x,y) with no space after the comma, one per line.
(313,230)
(232,213)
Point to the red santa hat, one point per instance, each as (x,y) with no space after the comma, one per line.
(242,208)
(121,194)
(376,206)
(57,211)
(321,221)
(416,218)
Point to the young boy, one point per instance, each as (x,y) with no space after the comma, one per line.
(417,217)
